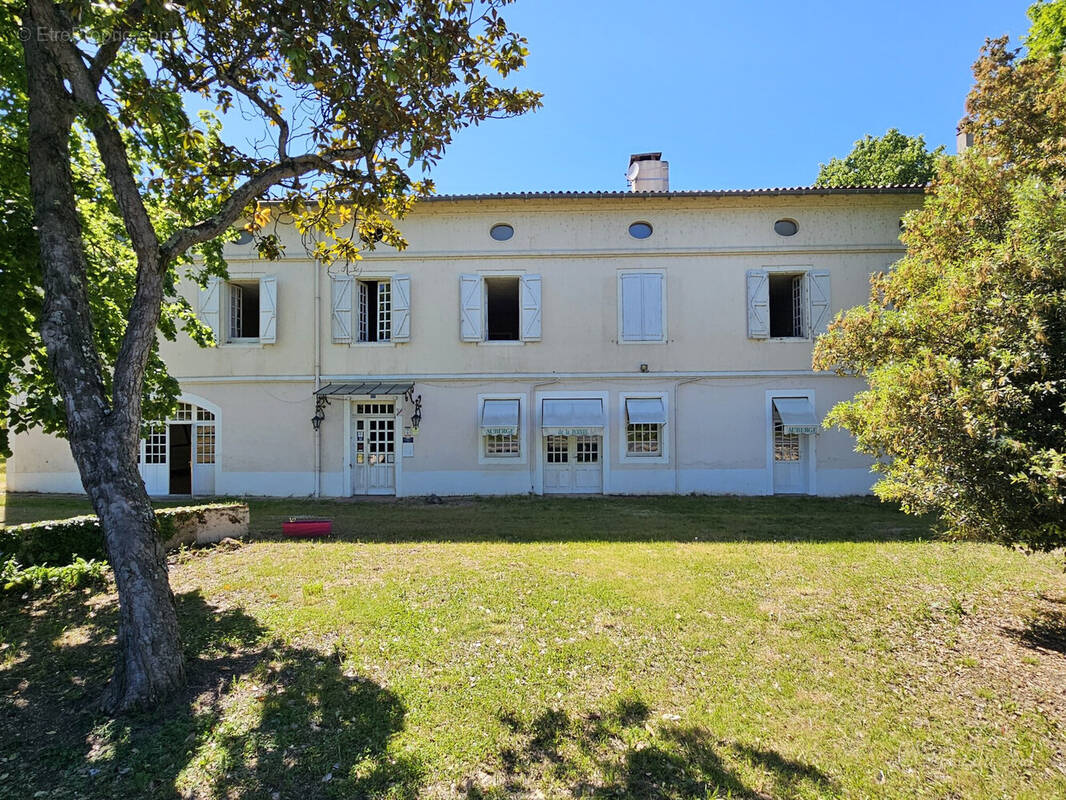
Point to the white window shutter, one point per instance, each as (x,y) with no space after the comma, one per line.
(341,308)
(470,303)
(821,301)
(268,309)
(652,304)
(758,304)
(632,308)
(530,308)
(209,305)
(401,308)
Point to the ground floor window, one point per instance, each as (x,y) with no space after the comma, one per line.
(502,446)
(786,445)
(643,439)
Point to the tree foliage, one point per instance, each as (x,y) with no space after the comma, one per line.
(963,342)
(357,100)
(1047,34)
(877,161)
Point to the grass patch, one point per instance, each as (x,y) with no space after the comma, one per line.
(629,647)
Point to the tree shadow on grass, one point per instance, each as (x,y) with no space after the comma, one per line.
(1047,629)
(623,753)
(259,718)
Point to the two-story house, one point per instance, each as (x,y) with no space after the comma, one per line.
(648,341)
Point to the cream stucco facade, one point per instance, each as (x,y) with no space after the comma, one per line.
(506,347)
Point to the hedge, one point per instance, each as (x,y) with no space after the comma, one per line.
(61,541)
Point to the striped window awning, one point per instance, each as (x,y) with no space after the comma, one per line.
(365,389)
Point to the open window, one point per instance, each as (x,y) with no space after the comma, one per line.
(375,310)
(243,309)
(499,308)
(788,311)
(787,303)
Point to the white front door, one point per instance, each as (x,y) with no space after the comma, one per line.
(573,464)
(155,464)
(373,449)
(791,460)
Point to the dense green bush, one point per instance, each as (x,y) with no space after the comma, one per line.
(61,541)
(80,574)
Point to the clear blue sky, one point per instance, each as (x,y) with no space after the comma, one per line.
(747,93)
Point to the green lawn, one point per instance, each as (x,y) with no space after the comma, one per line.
(623,647)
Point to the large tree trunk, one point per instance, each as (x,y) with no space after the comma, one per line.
(150,663)
(103,434)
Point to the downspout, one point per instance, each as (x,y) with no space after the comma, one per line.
(318,376)
(533,434)
(673,436)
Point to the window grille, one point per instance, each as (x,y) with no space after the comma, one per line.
(155,445)
(557,449)
(236,311)
(786,445)
(202,415)
(797,306)
(374,409)
(502,446)
(384,311)
(643,439)
(588,449)
(205,444)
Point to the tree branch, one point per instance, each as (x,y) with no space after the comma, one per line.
(248,191)
(109,49)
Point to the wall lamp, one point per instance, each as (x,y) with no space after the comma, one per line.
(320,412)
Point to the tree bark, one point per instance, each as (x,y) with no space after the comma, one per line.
(103,433)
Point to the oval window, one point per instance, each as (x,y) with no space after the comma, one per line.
(786,227)
(244,237)
(501,232)
(640,230)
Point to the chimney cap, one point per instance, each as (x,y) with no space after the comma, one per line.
(645,157)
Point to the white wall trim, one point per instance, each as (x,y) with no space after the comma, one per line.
(346,450)
(694,252)
(504,376)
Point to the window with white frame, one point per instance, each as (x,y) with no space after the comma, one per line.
(375,310)
(786,445)
(499,308)
(243,309)
(642,309)
(787,303)
(645,418)
(499,420)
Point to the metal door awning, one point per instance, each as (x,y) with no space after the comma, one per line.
(797,415)
(371,388)
(578,417)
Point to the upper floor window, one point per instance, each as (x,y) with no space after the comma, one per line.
(640,230)
(370,309)
(642,307)
(241,310)
(499,308)
(786,227)
(501,232)
(786,303)
(375,311)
